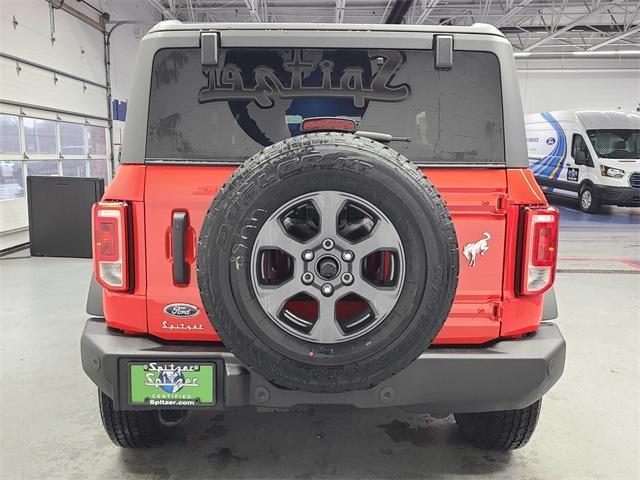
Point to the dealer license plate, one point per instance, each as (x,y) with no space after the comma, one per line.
(172,384)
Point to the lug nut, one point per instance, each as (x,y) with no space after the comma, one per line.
(307,255)
(347,278)
(326,290)
(327,244)
(347,255)
(307,278)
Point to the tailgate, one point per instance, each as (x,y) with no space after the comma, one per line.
(475,197)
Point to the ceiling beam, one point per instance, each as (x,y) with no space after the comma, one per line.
(386,9)
(157,4)
(253,11)
(615,38)
(339,14)
(511,13)
(426,12)
(190,10)
(485,11)
(569,26)
(398,11)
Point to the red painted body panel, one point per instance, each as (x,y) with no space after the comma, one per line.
(128,184)
(128,311)
(480,201)
(171,188)
(520,314)
(474,198)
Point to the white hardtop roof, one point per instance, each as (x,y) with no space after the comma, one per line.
(476,28)
(594,119)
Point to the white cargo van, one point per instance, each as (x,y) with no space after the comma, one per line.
(590,155)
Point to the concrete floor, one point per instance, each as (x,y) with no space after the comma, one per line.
(50,426)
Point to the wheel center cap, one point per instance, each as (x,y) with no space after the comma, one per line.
(327,268)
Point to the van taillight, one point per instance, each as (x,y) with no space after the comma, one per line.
(540,250)
(110,244)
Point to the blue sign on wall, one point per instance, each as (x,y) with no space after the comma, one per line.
(119,109)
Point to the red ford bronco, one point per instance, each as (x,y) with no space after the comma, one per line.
(323,214)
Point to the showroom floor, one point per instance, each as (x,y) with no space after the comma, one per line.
(50,426)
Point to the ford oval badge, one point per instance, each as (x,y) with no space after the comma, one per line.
(181,310)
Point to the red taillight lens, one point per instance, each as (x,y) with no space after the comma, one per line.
(328,124)
(110,245)
(540,250)
(107,238)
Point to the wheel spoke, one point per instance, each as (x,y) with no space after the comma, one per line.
(275,297)
(273,236)
(326,328)
(380,299)
(328,205)
(382,237)
(347,249)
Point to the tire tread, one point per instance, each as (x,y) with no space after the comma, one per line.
(501,430)
(229,195)
(131,428)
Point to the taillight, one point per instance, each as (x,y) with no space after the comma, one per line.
(540,250)
(110,244)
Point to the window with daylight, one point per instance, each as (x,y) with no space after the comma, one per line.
(39,136)
(9,134)
(39,146)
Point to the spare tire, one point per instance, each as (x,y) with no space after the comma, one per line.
(327,263)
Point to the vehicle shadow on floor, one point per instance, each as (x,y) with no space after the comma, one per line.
(331,442)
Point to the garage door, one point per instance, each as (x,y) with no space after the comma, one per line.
(53,106)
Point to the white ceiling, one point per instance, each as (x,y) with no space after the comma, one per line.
(536,26)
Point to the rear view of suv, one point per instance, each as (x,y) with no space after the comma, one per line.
(323,214)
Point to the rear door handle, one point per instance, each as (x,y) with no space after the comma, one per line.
(179,225)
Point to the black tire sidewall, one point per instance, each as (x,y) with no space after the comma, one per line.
(283,173)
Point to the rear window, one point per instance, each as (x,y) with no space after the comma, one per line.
(256,97)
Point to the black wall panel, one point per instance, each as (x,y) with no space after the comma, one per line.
(60,215)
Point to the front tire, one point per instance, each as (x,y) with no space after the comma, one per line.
(502,430)
(589,202)
(132,428)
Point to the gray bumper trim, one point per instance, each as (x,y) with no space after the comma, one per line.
(622,196)
(505,375)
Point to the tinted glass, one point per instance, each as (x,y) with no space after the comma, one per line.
(74,168)
(99,168)
(72,139)
(42,167)
(578,145)
(96,140)
(9,134)
(39,136)
(618,143)
(254,98)
(11,180)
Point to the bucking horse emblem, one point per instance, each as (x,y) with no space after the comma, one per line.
(471,250)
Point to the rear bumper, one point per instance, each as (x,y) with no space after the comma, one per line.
(622,196)
(504,375)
